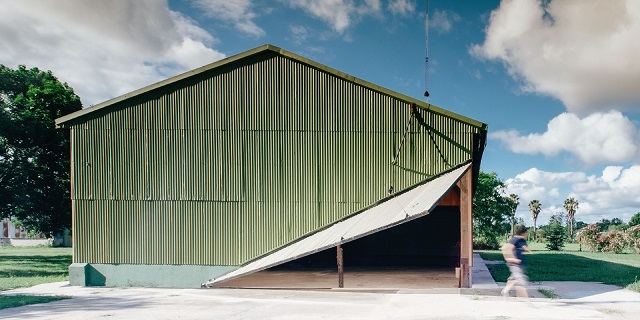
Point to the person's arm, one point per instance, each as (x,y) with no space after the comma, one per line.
(508,253)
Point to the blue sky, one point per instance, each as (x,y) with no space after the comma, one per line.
(557,81)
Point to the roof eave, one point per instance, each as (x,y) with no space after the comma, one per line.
(62,120)
(267,47)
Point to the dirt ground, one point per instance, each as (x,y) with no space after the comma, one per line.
(374,278)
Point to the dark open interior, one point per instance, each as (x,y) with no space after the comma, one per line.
(432,241)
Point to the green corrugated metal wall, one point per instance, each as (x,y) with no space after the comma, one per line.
(229,165)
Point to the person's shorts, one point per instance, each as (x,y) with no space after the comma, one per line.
(517,274)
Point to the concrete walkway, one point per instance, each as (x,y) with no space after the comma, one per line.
(577,300)
(480,276)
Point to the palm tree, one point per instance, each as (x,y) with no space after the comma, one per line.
(571,205)
(515,201)
(534,207)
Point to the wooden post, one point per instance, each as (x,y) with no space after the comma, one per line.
(466,229)
(465,275)
(340,267)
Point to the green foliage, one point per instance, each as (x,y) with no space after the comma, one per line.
(491,210)
(555,236)
(635,220)
(34,155)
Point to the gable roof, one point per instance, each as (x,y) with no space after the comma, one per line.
(249,56)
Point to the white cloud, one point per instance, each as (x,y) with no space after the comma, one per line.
(299,34)
(596,139)
(443,20)
(583,53)
(402,7)
(102,49)
(237,12)
(613,194)
(339,14)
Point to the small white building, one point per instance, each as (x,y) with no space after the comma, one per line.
(12,235)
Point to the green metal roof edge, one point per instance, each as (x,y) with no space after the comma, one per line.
(282,52)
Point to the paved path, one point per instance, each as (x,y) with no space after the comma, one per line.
(577,301)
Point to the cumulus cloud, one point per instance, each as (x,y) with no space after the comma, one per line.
(238,12)
(339,14)
(102,49)
(615,193)
(443,20)
(596,139)
(402,7)
(581,52)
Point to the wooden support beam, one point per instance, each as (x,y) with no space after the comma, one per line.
(340,267)
(465,274)
(466,228)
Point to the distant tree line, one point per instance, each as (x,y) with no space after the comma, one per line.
(494,219)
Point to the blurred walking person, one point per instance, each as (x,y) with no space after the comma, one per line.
(513,255)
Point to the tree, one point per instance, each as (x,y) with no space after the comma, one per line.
(555,234)
(580,225)
(515,201)
(34,155)
(604,225)
(491,209)
(635,220)
(571,205)
(534,207)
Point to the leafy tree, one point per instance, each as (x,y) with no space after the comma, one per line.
(491,209)
(34,155)
(515,201)
(555,233)
(635,220)
(571,205)
(534,207)
(604,224)
(580,225)
(613,224)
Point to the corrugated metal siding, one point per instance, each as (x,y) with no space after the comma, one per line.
(237,163)
(408,206)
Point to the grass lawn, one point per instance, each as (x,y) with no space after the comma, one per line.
(28,266)
(572,265)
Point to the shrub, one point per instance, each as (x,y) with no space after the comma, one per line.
(613,241)
(633,238)
(589,237)
(555,237)
(485,243)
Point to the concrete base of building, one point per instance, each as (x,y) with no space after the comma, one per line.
(127,275)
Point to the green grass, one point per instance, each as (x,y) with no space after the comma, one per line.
(548,293)
(572,265)
(22,300)
(28,266)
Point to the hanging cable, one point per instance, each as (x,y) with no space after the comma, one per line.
(426,59)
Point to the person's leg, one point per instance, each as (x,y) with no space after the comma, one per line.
(521,282)
(521,291)
(511,281)
(507,287)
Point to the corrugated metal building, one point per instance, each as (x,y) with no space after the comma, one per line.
(195,176)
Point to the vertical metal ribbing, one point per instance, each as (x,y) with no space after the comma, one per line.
(230,167)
